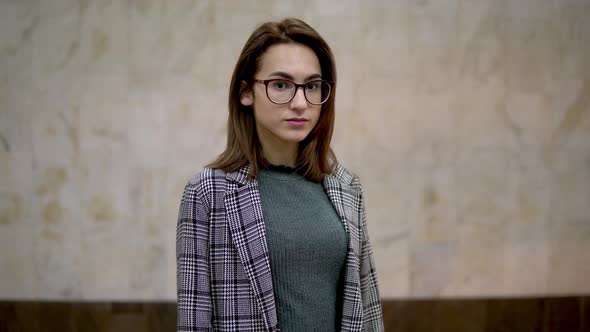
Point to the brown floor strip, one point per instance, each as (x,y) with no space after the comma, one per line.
(558,314)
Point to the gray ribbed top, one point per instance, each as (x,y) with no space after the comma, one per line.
(307,247)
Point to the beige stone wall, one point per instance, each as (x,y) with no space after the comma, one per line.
(468,122)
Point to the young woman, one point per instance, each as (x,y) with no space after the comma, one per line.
(272,235)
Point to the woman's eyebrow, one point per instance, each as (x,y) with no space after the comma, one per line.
(290,77)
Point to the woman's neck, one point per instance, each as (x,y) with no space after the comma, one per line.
(280,154)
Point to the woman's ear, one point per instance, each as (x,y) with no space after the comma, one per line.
(246,95)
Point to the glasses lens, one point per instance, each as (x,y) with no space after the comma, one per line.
(280,91)
(317,92)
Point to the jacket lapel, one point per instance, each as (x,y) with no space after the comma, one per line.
(343,197)
(334,190)
(244,214)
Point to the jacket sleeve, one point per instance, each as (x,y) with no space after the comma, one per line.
(192,263)
(372,312)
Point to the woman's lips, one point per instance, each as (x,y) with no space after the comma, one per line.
(297,122)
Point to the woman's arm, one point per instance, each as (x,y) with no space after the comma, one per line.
(192,263)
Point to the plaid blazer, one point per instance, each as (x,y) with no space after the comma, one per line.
(223,268)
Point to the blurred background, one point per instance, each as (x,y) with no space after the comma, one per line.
(468,122)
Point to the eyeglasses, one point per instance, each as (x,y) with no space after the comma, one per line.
(282,91)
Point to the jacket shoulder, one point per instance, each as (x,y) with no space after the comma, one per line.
(206,182)
(347,177)
(206,176)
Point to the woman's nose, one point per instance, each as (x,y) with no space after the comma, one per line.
(299,100)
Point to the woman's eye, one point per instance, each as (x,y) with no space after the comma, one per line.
(279,85)
(313,86)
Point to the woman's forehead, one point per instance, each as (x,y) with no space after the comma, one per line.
(294,59)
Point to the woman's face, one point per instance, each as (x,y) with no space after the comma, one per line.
(284,125)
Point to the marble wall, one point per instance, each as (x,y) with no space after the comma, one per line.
(468,122)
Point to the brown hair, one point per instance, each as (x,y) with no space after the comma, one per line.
(315,157)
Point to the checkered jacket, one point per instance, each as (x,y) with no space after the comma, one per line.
(223,268)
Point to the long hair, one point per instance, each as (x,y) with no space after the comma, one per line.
(315,158)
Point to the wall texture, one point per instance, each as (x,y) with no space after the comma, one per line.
(468,122)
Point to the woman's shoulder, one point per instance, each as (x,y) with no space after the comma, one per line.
(207,178)
(205,186)
(216,178)
(347,176)
(207,175)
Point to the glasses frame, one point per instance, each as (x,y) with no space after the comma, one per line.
(297,86)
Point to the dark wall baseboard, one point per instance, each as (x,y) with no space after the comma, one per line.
(555,314)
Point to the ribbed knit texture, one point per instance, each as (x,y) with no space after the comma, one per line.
(307,247)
